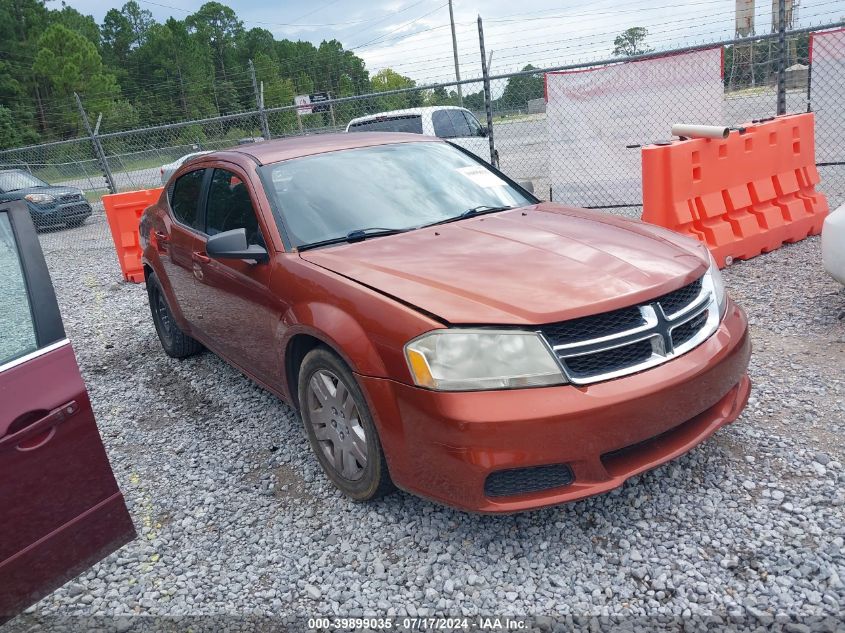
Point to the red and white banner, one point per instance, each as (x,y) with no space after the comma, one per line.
(593,116)
(827,93)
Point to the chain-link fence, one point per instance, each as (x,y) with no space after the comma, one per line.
(576,131)
(573,131)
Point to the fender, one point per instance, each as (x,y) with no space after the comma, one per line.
(350,340)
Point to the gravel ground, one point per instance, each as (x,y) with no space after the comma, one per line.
(234,516)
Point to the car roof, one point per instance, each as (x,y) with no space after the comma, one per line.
(298,146)
(403,112)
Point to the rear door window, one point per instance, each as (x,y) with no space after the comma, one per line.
(411,123)
(16,323)
(185,198)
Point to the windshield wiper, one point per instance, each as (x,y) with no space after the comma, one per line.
(357,235)
(481,209)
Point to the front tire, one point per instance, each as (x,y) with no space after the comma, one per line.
(340,427)
(174,341)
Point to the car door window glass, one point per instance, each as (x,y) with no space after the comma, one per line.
(459,121)
(229,207)
(443,125)
(185,197)
(475,128)
(18,329)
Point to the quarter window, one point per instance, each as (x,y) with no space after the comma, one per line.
(229,207)
(184,201)
(16,324)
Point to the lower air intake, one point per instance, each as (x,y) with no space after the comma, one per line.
(520,481)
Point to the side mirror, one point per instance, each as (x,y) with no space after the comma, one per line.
(528,185)
(484,131)
(233,245)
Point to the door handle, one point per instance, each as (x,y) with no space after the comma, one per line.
(52,419)
(202,258)
(161,236)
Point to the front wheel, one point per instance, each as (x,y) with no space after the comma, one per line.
(340,428)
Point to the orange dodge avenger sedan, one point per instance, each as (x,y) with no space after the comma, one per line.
(438,327)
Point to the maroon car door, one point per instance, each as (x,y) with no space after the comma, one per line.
(60,507)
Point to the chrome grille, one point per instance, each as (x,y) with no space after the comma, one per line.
(625,341)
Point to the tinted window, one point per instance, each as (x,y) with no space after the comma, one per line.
(450,123)
(16,324)
(186,196)
(475,128)
(410,123)
(229,207)
(328,195)
(13,180)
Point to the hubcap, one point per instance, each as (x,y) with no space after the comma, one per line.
(334,417)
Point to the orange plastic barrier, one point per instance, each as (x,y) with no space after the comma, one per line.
(123,211)
(742,196)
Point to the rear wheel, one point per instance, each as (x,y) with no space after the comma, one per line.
(340,428)
(174,341)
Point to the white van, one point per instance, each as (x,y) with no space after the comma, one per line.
(459,125)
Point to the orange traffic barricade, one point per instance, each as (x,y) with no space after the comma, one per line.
(743,195)
(123,211)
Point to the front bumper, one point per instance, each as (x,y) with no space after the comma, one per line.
(444,445)
(60,214)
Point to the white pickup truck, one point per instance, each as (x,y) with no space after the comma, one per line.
(459,125)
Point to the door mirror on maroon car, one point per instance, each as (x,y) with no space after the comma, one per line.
(233,245)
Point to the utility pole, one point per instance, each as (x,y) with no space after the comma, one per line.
(455,52)
(781,101)
(259,101)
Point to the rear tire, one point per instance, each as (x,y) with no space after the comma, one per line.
(340,427)
(174,341)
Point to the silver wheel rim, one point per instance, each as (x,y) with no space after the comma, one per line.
(334,418)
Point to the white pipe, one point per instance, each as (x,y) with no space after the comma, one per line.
(700,131)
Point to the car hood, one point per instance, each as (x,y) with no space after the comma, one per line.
(53,190)
(533,265)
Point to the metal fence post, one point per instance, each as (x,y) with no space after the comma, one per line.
(488,97)
(782,56)
(98,148)
(259,101)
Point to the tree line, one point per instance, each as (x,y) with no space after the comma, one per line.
(138,72)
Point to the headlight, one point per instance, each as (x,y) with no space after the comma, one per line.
(40,198)
(713,278)
(465,360)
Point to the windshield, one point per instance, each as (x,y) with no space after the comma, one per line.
(399,186)
(14,180)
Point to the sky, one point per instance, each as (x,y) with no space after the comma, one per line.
(413,36)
